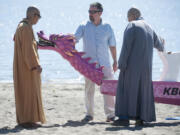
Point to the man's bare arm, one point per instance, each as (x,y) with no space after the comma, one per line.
(113,54)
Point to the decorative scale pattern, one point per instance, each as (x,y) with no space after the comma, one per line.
(65,46)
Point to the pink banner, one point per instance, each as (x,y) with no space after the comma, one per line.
(164,92)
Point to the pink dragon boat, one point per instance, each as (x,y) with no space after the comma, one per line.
(164,92)
(65,46)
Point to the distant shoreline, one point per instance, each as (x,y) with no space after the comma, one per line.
(63,81)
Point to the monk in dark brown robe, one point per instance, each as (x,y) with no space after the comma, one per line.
(26,73)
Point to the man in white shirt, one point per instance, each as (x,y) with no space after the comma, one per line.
(98,38)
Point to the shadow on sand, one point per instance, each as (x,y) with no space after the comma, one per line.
(146,125)
(72,123)
(17,128)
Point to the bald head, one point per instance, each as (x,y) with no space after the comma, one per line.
(133,14)
(31,11)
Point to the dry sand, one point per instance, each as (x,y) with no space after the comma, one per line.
(64,108)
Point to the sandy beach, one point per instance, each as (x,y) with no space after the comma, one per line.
(64,109)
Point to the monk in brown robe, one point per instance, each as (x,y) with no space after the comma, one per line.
(26,73)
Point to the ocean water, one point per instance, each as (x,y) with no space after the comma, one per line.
(64,16)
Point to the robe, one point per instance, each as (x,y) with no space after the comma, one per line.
(134,97)
(27,82)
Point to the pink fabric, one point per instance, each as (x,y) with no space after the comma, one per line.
(65,46)
(164,92)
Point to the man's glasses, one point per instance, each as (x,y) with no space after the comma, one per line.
(93,11)
(38,15)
